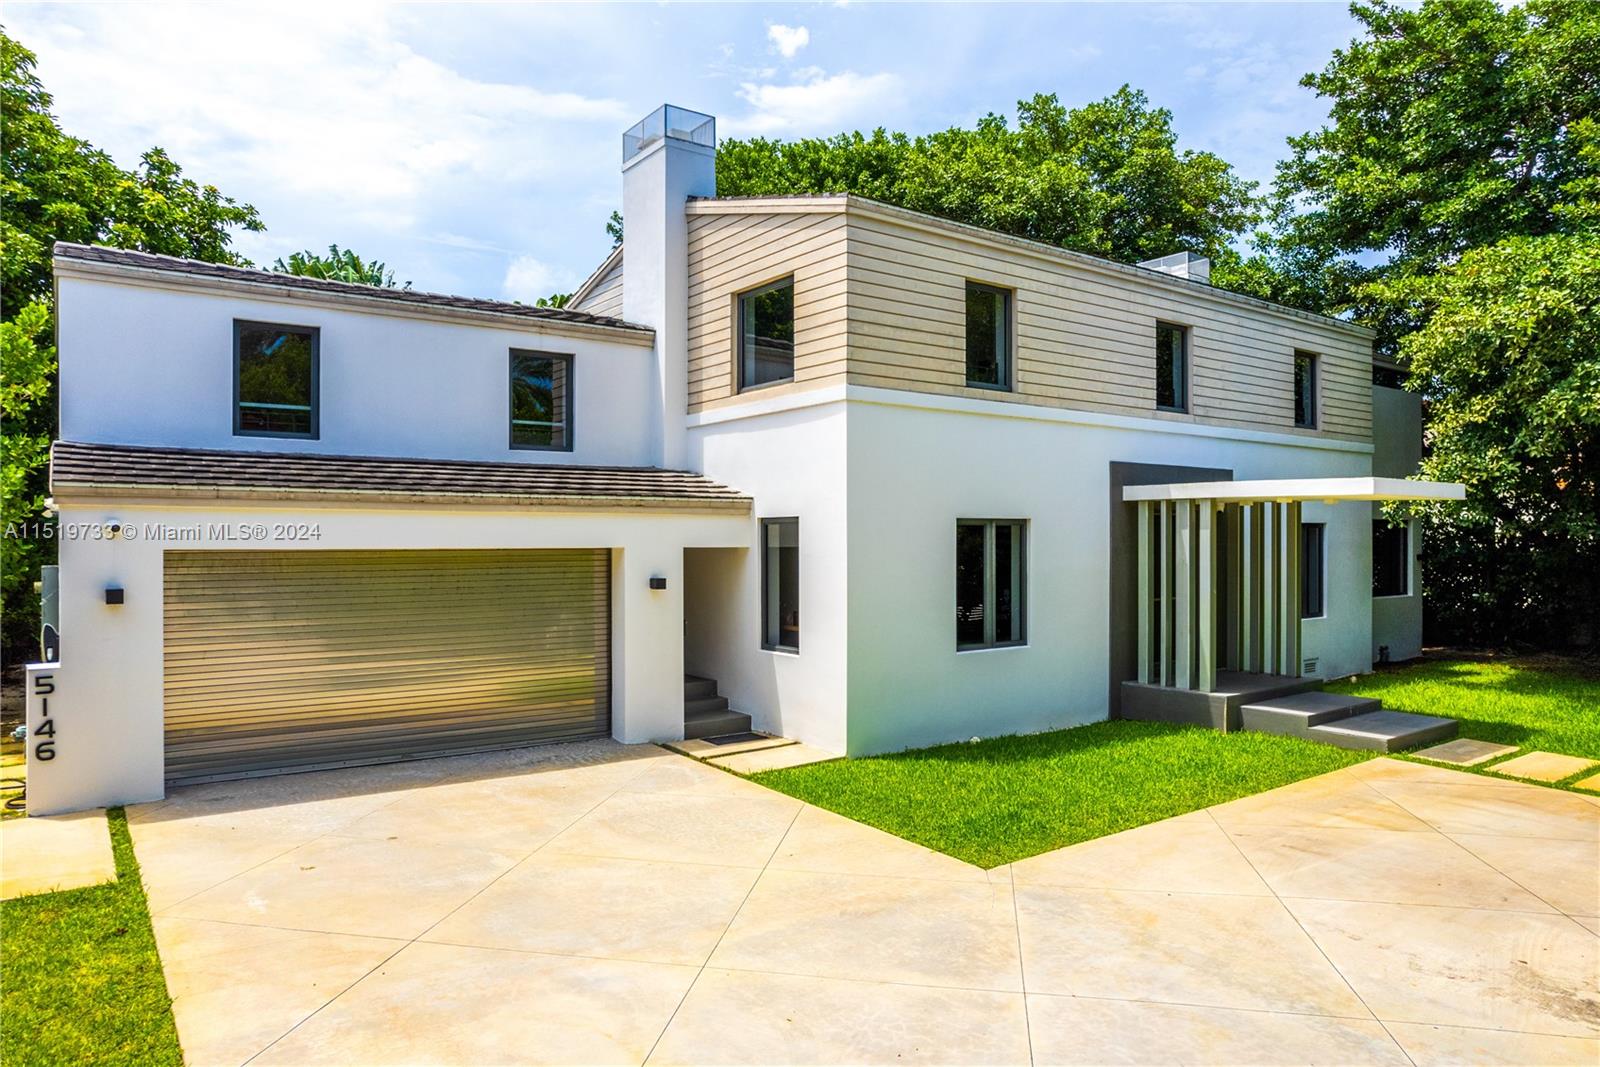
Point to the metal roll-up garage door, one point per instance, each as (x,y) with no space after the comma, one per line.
(288,660)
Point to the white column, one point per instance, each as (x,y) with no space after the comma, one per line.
(1183,604)
(1164,543)
(1206,598)
(1146,562)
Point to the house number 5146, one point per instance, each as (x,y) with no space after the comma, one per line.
(45,749)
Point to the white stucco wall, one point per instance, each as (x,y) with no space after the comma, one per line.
(110,746)
(145,365)
(793,464)
(917,464)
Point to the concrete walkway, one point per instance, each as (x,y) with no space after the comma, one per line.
(603,904)
(42,855)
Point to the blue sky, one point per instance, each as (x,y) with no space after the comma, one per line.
(475,148)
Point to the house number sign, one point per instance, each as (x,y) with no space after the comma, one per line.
(44,735)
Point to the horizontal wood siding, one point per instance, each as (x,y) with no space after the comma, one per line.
(1085,338)
(606,296)
(731,253)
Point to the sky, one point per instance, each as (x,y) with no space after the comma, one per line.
(475,148)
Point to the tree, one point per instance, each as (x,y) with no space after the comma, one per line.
(1451,202)
(1107,178)
(339,265)
(61,188)
(554,300)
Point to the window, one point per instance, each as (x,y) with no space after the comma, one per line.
(1391,559)
(991,582)
(1313,570)
(541,401)
(988,337)
(1172,367)
(1305,389)
(766,334)
(780,584)
(274,380)
(1387,376)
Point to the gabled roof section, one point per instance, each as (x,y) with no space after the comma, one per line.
(103,471)
(600,273)
(851,204)
(100,259)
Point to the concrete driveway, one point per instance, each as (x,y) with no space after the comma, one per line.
(607,904)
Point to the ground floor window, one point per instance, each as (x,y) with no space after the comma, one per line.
(1391,559)
(991,583)
(780,584)
(1313,570)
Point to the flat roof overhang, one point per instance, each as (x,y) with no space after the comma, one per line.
(1284,490)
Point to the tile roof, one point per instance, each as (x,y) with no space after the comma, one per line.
(100,470)
(250,275)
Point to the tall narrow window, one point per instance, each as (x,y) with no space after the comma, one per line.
(991,583)
(1172,367)
(1313,570)
(274,380)
(1305,389)
(1391,559)
(780,584)
(988,337)
(541,401)
(766,334)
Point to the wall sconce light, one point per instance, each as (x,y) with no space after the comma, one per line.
(658,582)
(113,594)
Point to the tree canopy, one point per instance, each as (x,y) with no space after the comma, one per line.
(339,265)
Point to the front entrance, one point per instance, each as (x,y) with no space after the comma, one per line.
(279,661)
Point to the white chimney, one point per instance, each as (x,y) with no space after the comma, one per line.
(1182,265)
(668,157)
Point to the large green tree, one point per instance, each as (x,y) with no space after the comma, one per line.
(1107,178)
(339,265)
(57,187)
(1450,202)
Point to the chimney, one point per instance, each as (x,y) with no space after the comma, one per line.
(668,157)
(1182,265)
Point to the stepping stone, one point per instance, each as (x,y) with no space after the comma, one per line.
(702,749)
(1465,752)
(41,855)
(1591,783)
(1543,766)
(772,759)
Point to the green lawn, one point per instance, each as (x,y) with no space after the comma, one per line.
(1009,797)
(82,980)
(1542,702)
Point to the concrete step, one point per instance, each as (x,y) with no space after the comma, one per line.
(1384,731)
(695,688)
(705,706)
(1296,713)
(714,723)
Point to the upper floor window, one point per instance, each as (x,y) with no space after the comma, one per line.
(988,336)
(991,583)
(1391,559)
(1388,376)
(274,380)
(1305,389)
(1313,570)
(541,401)
(766,334)
(1172,367)
(780,584)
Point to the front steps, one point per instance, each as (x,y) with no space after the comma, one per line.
(1344,721)
(705,714)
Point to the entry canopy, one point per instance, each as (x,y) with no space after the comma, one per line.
(1284,490)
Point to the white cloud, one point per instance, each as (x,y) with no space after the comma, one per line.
(788,39)
(527,279)
(816,102)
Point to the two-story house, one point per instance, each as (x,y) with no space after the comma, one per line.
(870,478)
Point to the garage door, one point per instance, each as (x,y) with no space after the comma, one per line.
(288,660)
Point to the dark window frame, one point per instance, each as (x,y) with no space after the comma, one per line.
(567,421)
(1008,361)
(1314,587)
(1314,401)
(1186,353)
(739,298)
(767,642)
(1019,606)
(315,433)
(1380,529)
